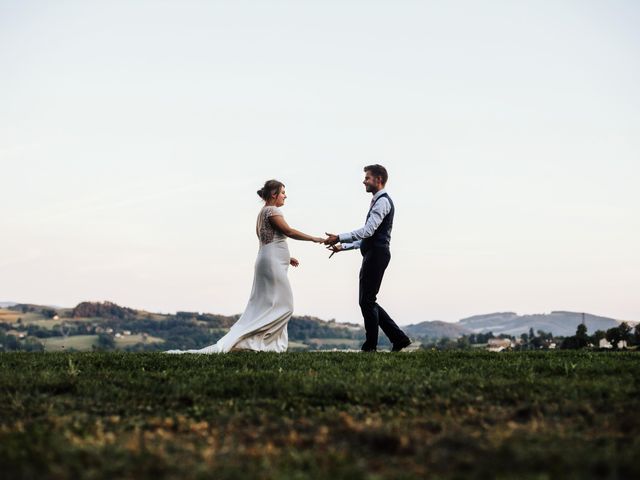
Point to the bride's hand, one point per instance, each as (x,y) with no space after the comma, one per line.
(294,262)
(318,240)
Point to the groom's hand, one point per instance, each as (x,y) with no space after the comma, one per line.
(331,239)
(334,249)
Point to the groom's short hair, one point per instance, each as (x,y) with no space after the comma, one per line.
(378,171)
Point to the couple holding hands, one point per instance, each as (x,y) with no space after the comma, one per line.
(263,324)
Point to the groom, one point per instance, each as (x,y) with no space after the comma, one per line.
(373,241)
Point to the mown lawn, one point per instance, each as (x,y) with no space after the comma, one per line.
(320,415)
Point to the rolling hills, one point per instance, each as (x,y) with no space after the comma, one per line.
(91,325)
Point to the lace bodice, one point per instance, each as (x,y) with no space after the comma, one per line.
(264,229)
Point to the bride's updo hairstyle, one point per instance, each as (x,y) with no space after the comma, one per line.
(271,187)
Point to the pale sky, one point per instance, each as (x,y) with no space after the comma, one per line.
(134,135)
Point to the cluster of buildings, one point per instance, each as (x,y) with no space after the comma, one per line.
(500,344)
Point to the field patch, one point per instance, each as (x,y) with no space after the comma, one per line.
(127,340)
(78,342)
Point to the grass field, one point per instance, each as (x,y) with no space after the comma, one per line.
(85,342)
(320,415)
(127,340)
(293,345)
(336,341)
(77,342)
(9,316)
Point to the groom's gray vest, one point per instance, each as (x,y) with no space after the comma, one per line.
(382,236)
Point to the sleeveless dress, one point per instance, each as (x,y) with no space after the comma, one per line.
(263,325)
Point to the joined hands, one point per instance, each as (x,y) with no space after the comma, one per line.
(331,239)
(332,243)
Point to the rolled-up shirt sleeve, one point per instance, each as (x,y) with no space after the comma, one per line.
(352,240)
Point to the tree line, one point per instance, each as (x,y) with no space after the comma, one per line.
(622,334)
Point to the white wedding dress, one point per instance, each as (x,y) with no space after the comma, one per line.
(263,325)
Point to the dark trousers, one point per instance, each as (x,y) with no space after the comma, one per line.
(374,262)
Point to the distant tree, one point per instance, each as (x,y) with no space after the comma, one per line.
(582,339)
(40,332)
(625,332)
(537,343)
(569,343)
(613,336)
(32,345)
(463,343)
(636,334)
(105,342)
(525,341)
(105,309)
(446,343)
(484,337)
(577,341)
(531,334)
(8,343)
(597,336)
(545,335)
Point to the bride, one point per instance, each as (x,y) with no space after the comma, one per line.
(263,325)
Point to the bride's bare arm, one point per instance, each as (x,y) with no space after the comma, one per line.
(280,223)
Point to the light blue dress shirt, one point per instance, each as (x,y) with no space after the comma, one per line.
(352,240)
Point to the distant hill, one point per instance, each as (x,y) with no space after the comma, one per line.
(436,329)
(92,325)
(311,331)
(559,323)
(103,310)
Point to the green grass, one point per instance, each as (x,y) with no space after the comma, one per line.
(10,316)
(127,340)
(320,415)
(78,342)
(355,344)
(86,342)
(293,345)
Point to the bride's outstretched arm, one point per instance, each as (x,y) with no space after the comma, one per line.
(280,223)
